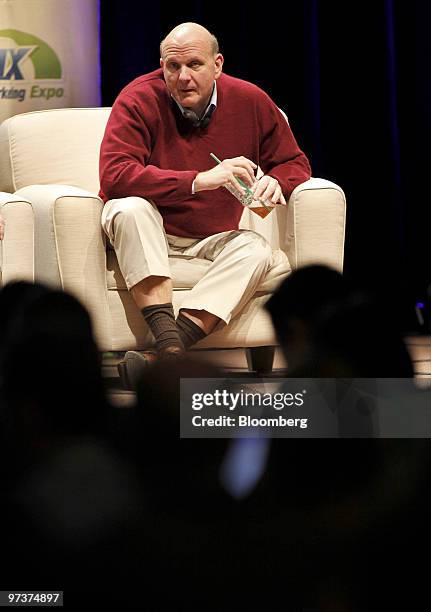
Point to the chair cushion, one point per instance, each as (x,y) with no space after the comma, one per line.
(186,272)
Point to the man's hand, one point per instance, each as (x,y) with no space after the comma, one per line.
(225,173)
(268,188)
(2,226)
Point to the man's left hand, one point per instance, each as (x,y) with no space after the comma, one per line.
(2,224)
(268,188)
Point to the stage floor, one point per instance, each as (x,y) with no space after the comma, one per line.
(234,361)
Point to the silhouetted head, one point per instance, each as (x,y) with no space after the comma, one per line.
(49,363)
(328,327)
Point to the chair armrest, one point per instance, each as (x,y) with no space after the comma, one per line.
(315,225)
(16,248)
(310,229)
(70,247)
(51,204)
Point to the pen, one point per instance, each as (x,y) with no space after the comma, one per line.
(241,182)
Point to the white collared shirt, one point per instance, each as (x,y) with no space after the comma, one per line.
(212,102)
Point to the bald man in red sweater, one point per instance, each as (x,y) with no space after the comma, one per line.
(164,195)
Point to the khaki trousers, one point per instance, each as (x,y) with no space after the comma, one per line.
(240,258)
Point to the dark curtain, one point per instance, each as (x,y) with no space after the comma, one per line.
(354,81)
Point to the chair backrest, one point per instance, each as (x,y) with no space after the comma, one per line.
(59,146)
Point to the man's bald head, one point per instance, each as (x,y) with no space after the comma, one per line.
(185,32)
(191,64)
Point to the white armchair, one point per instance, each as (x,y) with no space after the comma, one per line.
(49,161)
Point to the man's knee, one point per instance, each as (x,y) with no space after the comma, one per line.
(258,249)
(134,205)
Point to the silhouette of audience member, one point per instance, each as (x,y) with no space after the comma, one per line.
(72,504)
(49,367)
(353,502)
(329,328)
(194,529)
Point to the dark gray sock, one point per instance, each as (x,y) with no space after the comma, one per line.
(161,321)
(189,331)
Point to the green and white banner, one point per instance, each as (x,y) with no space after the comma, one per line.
(49,55)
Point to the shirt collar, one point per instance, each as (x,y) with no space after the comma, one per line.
(212,105)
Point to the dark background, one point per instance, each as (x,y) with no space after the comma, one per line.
(354,79)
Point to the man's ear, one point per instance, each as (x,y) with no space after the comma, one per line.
(218,60)
(161,63)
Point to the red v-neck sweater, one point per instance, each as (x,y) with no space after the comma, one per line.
(150,150)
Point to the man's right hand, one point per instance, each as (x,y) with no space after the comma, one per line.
(2,225)
(225,173)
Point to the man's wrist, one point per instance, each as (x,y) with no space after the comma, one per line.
(197,183)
